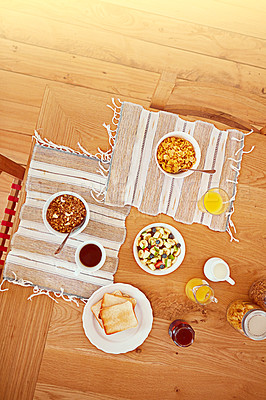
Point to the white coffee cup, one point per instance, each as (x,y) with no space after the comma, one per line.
(85,268)
(217,270)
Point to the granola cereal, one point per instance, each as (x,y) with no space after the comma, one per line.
(236,311)
(175,153)
(65,212)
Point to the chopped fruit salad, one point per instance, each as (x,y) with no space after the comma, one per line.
(158,248)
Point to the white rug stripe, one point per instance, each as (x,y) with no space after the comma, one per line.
(205,178)
(118,223)
(137,151)
(33,230)
(65,179)
(176,187)
(58,267)
(71,172)
(144,164)
(104,210)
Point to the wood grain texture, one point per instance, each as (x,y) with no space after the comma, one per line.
(164,89)
(21,320)
(60,64)
(129,20)
(230,15)
(95,43)
(77,70)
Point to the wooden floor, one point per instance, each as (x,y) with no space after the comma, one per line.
(202,59)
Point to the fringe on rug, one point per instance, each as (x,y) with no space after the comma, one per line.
(38,291)
(99,196)
(102,156)
(236,168)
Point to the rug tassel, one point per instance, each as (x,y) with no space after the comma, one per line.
(3,290)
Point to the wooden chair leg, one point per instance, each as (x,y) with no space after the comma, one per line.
(7,223)
(11,168)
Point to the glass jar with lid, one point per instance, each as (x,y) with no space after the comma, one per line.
(248,319)
(257,293)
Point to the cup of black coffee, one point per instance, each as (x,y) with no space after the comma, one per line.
(90,256)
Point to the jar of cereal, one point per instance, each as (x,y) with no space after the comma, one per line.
(248,319)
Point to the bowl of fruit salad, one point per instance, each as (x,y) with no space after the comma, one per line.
(159,249)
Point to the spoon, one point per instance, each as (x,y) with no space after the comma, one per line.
(208,171)
(67,236)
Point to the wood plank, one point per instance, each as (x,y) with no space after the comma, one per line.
(116,48)
(21,117)
(15,145)
(69,103)
(175,379)
(234,102)
(17,117)
(147,26)
(30,320)
(163,90)
(241,17)
(46,391)
(208,322)
(157,353)
(59,66)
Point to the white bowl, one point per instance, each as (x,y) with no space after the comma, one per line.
(80,266)
(194,143)
(177,235)
(48,226)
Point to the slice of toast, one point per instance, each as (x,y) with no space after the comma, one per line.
(118,317)
(96,311)
(117,293)
(111,299)
(97,307)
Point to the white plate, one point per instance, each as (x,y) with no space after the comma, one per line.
(120,342)
(195,145)
(177,235)
(48,226)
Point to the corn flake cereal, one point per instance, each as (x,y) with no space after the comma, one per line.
(175,153)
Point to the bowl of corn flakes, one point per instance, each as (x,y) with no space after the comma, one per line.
(177,150)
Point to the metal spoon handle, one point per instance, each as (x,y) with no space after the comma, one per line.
(63,243)
(208,171)
(67,236)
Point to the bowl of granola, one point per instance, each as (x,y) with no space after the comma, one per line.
(63,211)
(177,150)
(159,249)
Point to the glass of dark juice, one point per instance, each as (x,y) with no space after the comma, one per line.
(181,333)
(90,256)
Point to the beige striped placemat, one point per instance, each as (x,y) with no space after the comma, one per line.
(135,179)
(31,260)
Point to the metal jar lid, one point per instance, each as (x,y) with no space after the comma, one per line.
(254,324)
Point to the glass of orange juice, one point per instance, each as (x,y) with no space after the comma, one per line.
(215,201)
(199,291)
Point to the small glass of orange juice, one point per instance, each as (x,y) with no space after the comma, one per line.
(199,291)
(215,201)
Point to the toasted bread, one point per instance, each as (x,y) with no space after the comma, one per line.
(111,299)
(118,317)
(117,293)
(96,311)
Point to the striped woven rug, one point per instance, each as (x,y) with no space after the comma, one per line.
(135,179)
(31,259)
